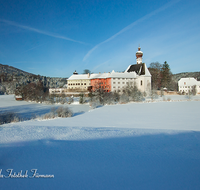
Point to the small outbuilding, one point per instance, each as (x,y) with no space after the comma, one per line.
(18,97)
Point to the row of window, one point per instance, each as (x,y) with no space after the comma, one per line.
(122,82)
(76,87)
(77,84)
(187,86)
(122,79)
(185,90)
(56,91)
(101,83)
(127,82)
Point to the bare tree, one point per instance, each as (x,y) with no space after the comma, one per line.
(194,90)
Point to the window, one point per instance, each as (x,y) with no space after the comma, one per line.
(122,82)
(118,82)
(113,82)
(81,83)
(141,82)
(184,83)
(84,83)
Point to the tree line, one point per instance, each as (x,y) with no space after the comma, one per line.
(161,76)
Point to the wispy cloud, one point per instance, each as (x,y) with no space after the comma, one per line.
(39,31)
(106,62)
(32,48)
(164,7)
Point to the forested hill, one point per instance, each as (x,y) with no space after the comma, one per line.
(6,69)
(11,78)
(178,76)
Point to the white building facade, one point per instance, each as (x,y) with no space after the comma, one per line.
(78,82)
(186,85)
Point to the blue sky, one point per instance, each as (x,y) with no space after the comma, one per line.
(54,38)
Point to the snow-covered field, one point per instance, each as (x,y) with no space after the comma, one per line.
(153,145)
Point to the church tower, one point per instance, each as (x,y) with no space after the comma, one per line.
(139,55)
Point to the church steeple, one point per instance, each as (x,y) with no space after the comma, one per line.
(139,55)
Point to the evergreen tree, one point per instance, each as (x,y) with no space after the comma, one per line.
(166,75)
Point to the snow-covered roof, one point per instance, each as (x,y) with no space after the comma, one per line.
(188,81)
(147,73)
(123,75)
(79,77)
(100,75)
(131,72)
(113,74)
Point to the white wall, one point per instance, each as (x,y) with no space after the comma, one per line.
(186,85)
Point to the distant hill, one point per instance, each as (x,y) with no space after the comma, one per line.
(11,78)
(6,69)
(178,76)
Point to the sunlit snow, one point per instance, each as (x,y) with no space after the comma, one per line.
(148,145)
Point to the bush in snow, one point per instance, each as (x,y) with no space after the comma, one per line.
(81,98)
(132,93)
(63,100)
(8,117)
(153,94)
(110,98)
(63,112)
(95,104)
(70,100)
(124,98)
(54,113)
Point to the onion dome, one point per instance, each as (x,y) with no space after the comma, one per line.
(139,53)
